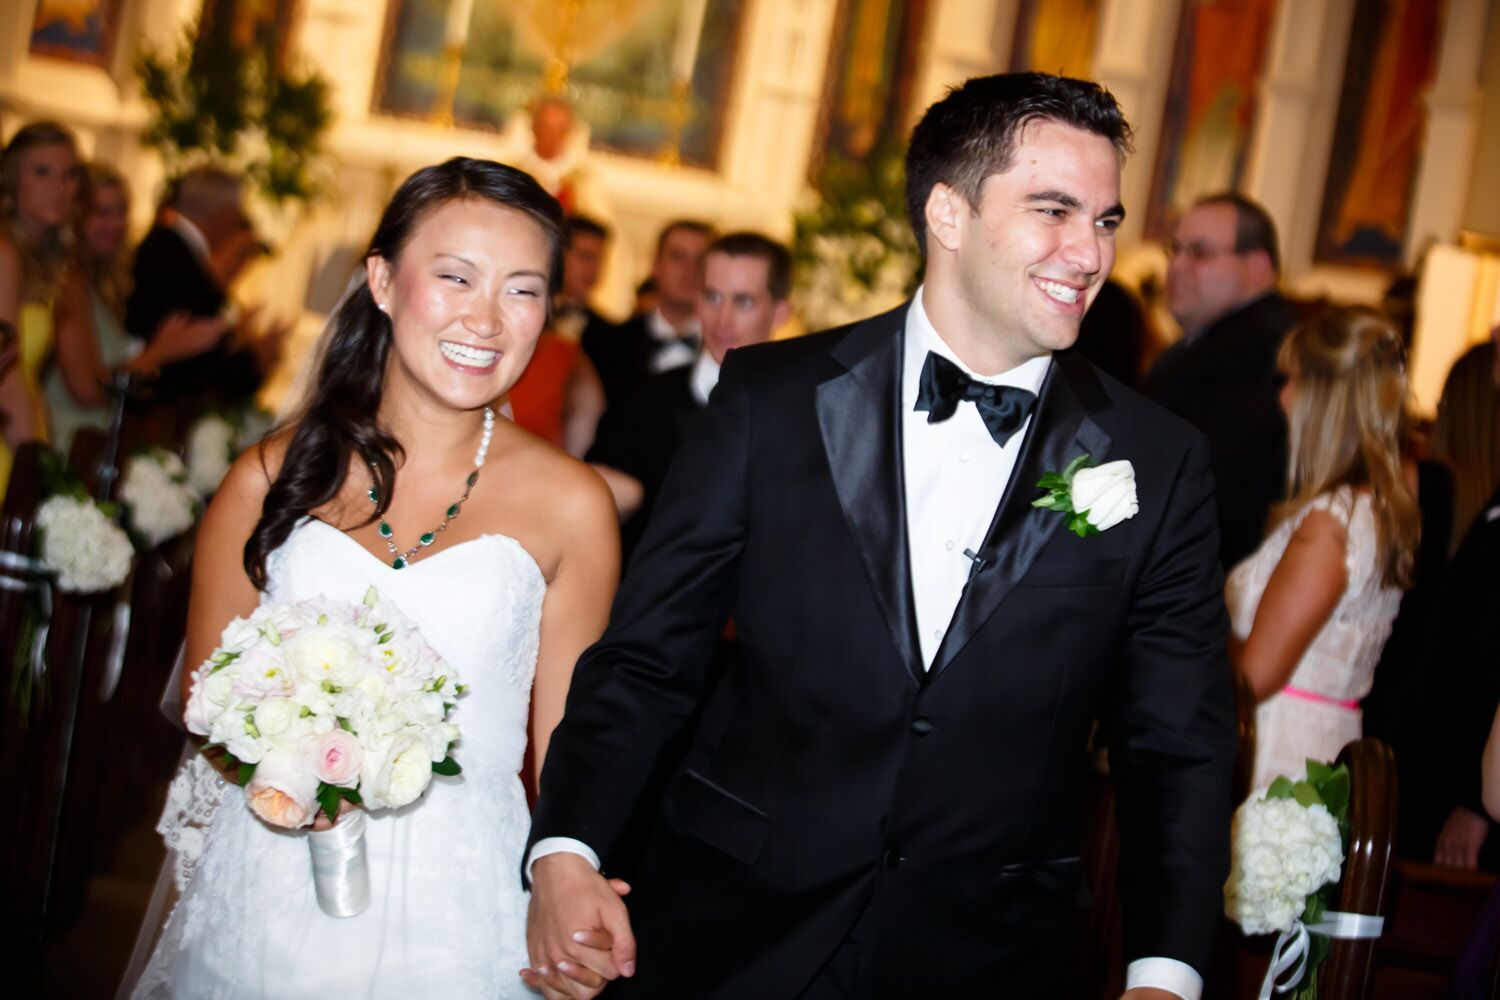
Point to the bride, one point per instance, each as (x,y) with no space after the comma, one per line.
(502,549)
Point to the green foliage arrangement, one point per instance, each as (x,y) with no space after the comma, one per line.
(213,101)
(853,249)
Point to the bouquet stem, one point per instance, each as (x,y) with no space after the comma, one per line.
(341,872)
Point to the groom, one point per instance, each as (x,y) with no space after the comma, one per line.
(882,799)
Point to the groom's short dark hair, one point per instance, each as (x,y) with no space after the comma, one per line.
(972,132)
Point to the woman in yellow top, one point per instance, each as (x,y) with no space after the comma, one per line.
(39,175)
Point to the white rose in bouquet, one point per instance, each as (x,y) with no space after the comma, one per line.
(329,653)
(160,502)
(210,452)
(1283,853)
(397,772)
(88,552)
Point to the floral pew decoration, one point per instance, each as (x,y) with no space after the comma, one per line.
(79,549)
(1287,856)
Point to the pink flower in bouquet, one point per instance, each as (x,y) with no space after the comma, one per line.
(337,757)
(283,790)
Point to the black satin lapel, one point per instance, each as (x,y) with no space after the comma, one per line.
(858,413)
(1061,430)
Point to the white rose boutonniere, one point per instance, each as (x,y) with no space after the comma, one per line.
(1094,498)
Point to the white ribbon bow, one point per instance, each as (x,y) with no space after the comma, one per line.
(1290,953)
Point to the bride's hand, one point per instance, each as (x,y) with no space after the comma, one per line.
(321,821)
(578,931)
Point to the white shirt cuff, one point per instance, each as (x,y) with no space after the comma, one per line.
(1162,974)
(567,845)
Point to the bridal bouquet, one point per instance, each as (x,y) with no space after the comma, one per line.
(160,502)
(321,700)
(1286,859)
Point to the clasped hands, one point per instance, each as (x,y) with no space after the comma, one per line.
(577,929)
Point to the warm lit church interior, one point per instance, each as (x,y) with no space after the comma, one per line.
(750,643)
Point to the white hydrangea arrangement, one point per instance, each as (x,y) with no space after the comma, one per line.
(1287,857)
(82,544)
(210,451)
(159,501)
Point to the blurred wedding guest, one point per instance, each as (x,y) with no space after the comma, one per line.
(559,398)
(1467,432)
(667,336)
(747,281)
(91,340)
(1445,674)
(1311,608)
(186,264)
(574,315)
(1115,334)
(39,175)
(1221,376)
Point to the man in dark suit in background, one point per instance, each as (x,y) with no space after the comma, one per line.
(1221,376)
(666,337)
(747,281)
(185,265)
(583,259)
(881,797)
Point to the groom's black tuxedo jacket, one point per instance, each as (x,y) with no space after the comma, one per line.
(829,773)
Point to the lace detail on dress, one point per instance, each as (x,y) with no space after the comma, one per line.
(1339,664)
(193,801)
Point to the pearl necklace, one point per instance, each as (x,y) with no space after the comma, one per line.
(403,559)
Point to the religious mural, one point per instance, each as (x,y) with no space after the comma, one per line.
(649,77)
(871,67)
(1056,36)
(76,30)
(1377,142)
(1216,69)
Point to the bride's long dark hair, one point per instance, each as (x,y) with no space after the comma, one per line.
(338,418)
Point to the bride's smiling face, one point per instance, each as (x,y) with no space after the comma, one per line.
(467,300)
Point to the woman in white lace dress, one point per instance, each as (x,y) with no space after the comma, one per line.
(1312,607)
(396,439)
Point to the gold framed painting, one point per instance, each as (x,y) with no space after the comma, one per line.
(81,31)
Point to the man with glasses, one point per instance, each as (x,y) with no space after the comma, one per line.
(1221,376)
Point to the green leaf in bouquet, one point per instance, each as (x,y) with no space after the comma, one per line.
(246,772)
(447,767)
(344,724)
(328,799)
(372,596)
(1281,788)
(386,637)
(250,726)
(352,794)
(1318,772)
(272,634)
(460,689)
(1335,792)
(1306,795)
(1052,481)
(330,687)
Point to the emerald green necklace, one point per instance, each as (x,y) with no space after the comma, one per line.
(404,559)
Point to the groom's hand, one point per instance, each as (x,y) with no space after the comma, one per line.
(571,907)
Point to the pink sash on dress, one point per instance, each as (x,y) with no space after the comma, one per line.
(1305,695)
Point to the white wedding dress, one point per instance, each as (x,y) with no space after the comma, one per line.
(447,916)
(1318,711)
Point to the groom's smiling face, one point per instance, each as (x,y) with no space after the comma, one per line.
(1027,261)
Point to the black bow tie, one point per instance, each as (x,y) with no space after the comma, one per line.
(1003,408)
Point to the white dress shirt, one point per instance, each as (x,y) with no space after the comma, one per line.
(703,378)
(670,351)
(955,475)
